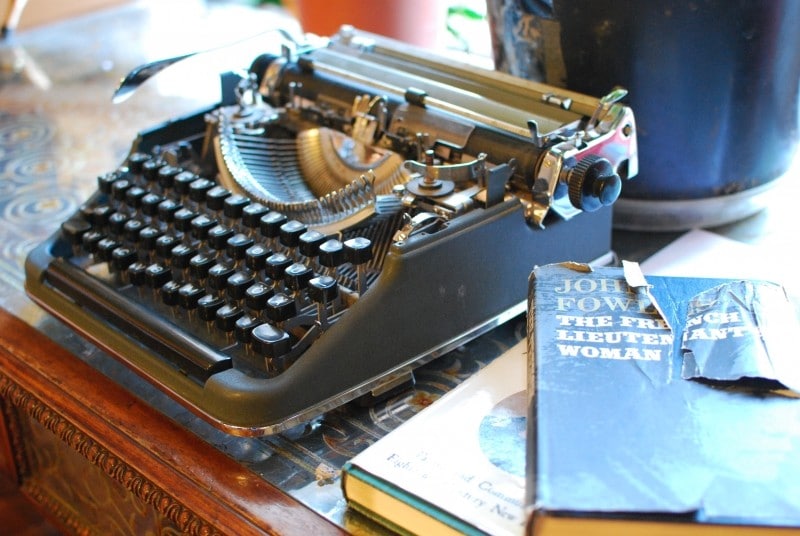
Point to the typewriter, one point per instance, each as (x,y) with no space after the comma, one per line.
(347,212)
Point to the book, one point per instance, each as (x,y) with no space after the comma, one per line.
(458,466)
(660,405)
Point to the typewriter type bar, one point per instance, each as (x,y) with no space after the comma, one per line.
(348,212)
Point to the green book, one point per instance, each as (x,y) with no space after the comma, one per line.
(661,405)
(457,467)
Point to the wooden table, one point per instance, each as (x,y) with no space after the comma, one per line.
(98,460)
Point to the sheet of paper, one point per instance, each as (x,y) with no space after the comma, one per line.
(700,253)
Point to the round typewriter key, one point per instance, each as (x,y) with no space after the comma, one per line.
(134,195)
(238,283)
(358,250)
(207,307)
(252,214)
(297,276)
(201,225)
(276,265)
(181,254)
(123,257)
(101,215)
(136,273)
(244,328)
(105,181)
(256,296)
(218,237)
(215,197)
(167,209)
(255,257)
(199,188)
(234,206)
(132,229)
(270,224)
(104,248)
(238,245)
(90,241)
(270,341)
(157,275)
(116,223)
(119,188)
(310,242)
(148,236)
(290,233)
(169,292)
(183,219)
(280,307)
(323,289)
(331,253)
(188,296)
(73,230)
(182,182)
(136,162)
(164,245)
(200,264)
(150,169)
(150,203)
(218,276)
(226,317)
(166,176)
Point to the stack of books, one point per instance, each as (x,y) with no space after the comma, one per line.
(638,404)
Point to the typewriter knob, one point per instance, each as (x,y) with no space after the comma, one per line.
(593,184)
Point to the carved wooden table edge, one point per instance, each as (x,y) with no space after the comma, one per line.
(186,480)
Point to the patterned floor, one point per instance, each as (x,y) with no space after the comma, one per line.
(27,169)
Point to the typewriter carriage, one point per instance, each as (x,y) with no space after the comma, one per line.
(442,118)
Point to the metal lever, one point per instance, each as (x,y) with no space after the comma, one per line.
(141,74)
(616,95)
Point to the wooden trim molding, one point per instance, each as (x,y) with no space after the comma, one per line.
(136,446)
(15,463)
(98,455)
(61,516)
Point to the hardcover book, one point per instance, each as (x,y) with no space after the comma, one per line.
(660,405)
(458,467)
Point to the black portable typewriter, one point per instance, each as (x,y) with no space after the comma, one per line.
(348,212)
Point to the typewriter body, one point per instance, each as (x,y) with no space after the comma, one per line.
(348,212)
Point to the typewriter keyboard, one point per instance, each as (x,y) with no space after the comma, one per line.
(253,287)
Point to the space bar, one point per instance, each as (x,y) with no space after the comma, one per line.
(194,357)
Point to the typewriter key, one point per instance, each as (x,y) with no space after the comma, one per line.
(270,341)
(226,317)
(238,283)
(207,307)
(256,295)
(244,327)
(215,198)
